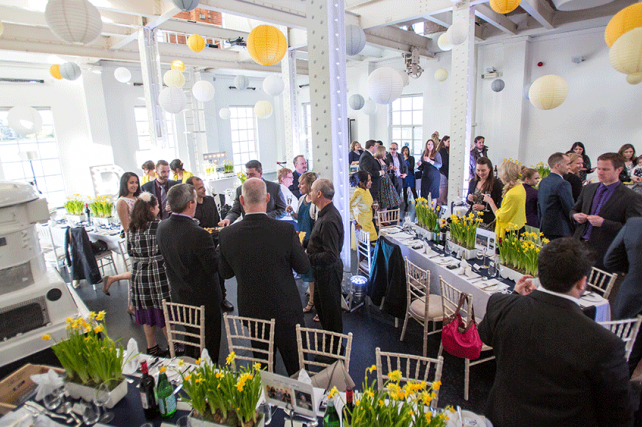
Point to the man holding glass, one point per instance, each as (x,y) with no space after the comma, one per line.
(399,169)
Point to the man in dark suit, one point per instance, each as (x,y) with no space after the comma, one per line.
(191,264)
(368,163)
(555,365)
(160,187)
(266,287)
(276,205)
(555,200)
(399,169)
(300,167)
(207,215)
(603,208)
(625,255)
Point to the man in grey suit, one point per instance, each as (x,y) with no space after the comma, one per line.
(275,206)
(555,200)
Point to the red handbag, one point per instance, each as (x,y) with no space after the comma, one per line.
(459,339)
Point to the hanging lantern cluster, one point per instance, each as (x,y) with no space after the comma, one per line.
(623,35)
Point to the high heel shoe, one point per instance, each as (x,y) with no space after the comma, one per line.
(131,312)
(308,308)
(105,288)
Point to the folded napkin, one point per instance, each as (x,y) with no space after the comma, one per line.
(46,383)
(304,377)
(132,356)
(205,357)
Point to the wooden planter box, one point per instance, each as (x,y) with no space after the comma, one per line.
(78,391)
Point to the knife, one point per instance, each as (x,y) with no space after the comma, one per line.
(461,419)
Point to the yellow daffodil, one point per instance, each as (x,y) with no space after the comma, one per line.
(92,315)
(219,375)
(198,380)
(332,393)
(181,362)
(257,366)
(69,320)
(198,361)
(100,316)
(395,375)
(436,385)
(372,369)
(163,369)
(428,416)
(98,329)
(230,358)
(46,337)
(86,338)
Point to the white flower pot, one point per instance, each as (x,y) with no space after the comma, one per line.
(102,221)
(75,218)
(197,422)
(509,273)
(466,253)
(78,391)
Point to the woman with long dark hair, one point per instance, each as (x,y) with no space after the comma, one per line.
(409,182)
(627,151)
(149,280)
(444,151)
(530,179)
(430,175)
(578,148)
(180,174)
(483,183)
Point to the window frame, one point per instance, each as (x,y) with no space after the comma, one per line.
(416,129)
(242,155)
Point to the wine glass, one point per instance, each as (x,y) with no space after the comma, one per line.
(486,204)
(90,414)
(266,410)
(101,399)
(492,267)
(184,421)
(53,399)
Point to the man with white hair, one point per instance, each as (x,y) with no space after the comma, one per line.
(324,251)
(262,252)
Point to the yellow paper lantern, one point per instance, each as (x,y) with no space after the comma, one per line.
(623,22)
(634,79)
(263,109)
(504,6)
(174,78)
(196,43)
(441,75)
(178,65)
(626,53)
(54,70)
(266,45)
(548,92)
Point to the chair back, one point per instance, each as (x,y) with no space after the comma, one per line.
(450,300)
(122,245)
(364,252)
(627,330)
(321,344)
(601,282)
(412,368)
(243,331)
(388,217)
(184,316)
(417,284)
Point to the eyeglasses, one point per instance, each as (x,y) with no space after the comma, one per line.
(393,149)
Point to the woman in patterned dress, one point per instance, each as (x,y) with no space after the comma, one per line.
(388,197)
(149,280)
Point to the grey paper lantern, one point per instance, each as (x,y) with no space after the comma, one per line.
(273,85)
(384,85)
(498,85)
(241,82)
(357,102)
(186,5)
(370,107)
(74,21)
(355,40)
(24,120)
(172,100)
(70,71)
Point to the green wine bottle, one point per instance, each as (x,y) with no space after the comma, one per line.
(165,396)
(331,418)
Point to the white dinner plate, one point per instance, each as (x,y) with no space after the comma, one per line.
(470,420)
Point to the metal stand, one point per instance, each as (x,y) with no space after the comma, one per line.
(290,413)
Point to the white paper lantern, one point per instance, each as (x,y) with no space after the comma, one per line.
(498,85)
(203,91)
(370,107)
(355,40)
(1,28)
(240,82)
(384,85)
(441,75)
(525,91)
(457,34)
(224,113)
(548,92)
(356,102)
(74,21)
(634,79)
(273,85)
(263,109)
(24,120)
(626,53)
(122,74)
(186,5)
(172,100)
(404,77)
(70,71)
(174,78)
(444,43)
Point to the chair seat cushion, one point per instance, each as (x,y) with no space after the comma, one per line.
(418,307)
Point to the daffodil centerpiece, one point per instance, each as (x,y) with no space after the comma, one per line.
(463,229)
(101,207)
(222,394)
(88,355)
(521,252)
(427,215)
(75,204)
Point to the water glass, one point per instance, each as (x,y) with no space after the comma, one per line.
(184,421)
(53,399)
(90,414)
(492,268)
(266,410)
(101,399)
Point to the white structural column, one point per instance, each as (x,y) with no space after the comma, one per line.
(328,99)
(461,109)
(152,84)
(290,111)
(194,126)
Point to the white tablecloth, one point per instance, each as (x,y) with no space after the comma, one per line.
(480,297)
(111,237)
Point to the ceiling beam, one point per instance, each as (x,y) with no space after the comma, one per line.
(204,30)
(398,39)
(443,19)
(541,11)
(381,14)
(496,19)
(262,11)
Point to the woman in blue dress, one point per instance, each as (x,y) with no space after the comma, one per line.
(410,180)
(430,176)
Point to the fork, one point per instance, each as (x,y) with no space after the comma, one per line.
(37,410)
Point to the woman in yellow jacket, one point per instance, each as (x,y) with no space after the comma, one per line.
(180,174)
(361,203)
(513,209)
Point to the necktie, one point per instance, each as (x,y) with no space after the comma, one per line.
(163,202)
(598,202)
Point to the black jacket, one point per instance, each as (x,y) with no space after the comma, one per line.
(275,207)
(80,256)
(554,203)
(625,255)
(388,279)
(368,163)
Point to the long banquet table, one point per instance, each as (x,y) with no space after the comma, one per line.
(480,297)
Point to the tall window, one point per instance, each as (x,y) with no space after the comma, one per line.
(245,145)
(406,122)
(145,149)
(306,137)
(43,148)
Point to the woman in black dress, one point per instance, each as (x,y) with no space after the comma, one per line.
(149,280)
(430,175)
(573,176)
(578,148)
(484,182)
(444,152)
(355,153)
(409,182)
